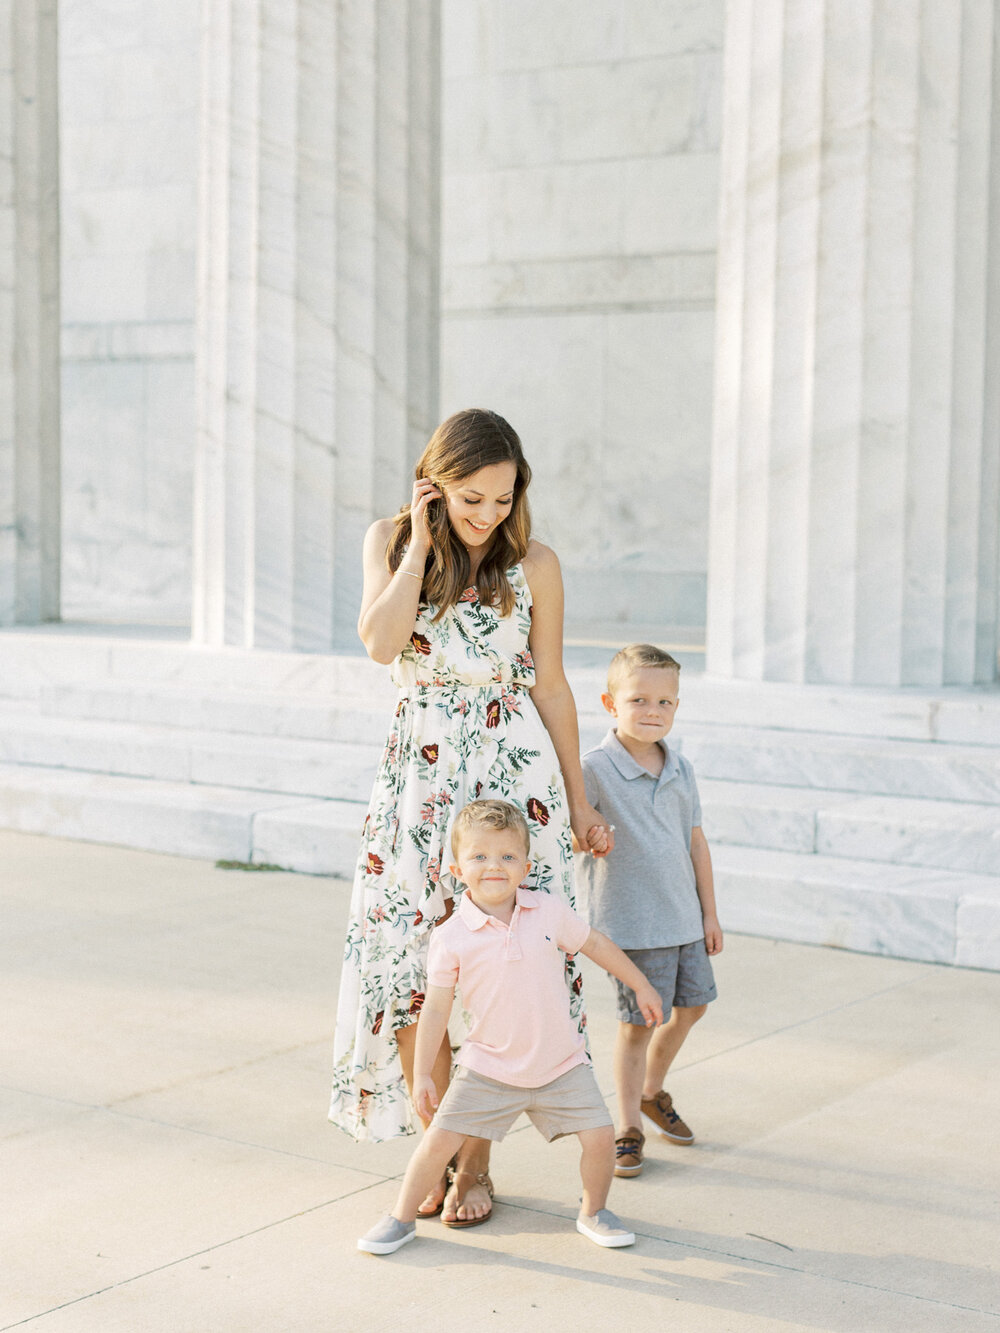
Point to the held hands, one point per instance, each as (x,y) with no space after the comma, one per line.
(424,491)
(713,934)
(425,1098)
(590,832)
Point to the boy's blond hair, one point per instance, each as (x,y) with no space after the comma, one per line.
(491,814)
(636,655)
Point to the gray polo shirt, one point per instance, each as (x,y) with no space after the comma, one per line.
(643,894)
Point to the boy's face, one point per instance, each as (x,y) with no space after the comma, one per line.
(644,702)
(491,864)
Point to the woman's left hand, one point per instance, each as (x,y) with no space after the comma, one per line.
(591,831)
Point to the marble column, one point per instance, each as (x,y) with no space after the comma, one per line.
(29,313)
(855,496)
(317,304)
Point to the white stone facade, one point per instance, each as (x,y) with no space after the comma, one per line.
(731,270)
(129,91)
(581,169)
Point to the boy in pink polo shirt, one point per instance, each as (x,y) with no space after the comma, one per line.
(504,948)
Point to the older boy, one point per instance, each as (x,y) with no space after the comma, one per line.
(653,895)
(504,948)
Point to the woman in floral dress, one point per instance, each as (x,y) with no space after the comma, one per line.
(468,610)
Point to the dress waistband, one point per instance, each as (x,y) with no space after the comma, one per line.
(461,687)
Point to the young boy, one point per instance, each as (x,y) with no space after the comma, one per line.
(653,895)
(503,947)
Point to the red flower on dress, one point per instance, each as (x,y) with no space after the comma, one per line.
(418,918)
(416,1001)
(493,713)
(430,753)
(537,811)
(577,984)
(479,791)
(422,644)
(375,865)
(469,595)
(377,1026)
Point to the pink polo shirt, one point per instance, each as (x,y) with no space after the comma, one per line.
(513,982)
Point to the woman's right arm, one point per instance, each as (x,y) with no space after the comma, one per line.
(389,601)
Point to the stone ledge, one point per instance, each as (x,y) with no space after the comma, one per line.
(899,912)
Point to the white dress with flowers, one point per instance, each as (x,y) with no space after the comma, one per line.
(464,727)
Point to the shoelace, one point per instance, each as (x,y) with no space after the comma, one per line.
(626,1147)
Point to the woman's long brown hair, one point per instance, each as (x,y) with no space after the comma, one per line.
(466,442)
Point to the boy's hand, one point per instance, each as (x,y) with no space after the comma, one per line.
(713,935)
(648,1000)
(599,840)
(588,828)
(425,1098)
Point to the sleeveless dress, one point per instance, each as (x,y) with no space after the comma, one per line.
(464,727)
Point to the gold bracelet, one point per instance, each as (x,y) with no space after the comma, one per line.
(401,570)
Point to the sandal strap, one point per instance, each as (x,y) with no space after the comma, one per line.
(480,1179)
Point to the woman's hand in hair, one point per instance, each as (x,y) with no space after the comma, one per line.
(424,493)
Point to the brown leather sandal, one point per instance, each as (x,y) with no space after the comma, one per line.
(482,1179)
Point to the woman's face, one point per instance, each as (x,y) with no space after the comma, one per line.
(479,503)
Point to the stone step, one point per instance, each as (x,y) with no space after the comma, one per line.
(182,818)
(257,713)
(902,912)
(858,764)
(949,835)
(343,769)
(34,660)
(328,769)
(175,817)
(937,915)
(952,714)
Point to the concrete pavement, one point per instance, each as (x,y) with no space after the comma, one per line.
(168,1168)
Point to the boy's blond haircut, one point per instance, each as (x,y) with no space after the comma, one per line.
(491,814)
(636,655)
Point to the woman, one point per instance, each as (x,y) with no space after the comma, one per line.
(468,609)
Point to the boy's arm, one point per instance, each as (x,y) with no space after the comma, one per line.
(431,1028)
(701,859)
(600,950)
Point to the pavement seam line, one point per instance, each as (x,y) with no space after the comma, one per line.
(197,1254)
(543,1212)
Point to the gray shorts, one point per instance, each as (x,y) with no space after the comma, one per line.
(486,1109)
(682,974)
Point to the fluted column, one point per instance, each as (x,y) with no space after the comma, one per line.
(29,313)
(318,302)
(856,455)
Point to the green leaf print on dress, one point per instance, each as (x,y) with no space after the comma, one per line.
(464,727)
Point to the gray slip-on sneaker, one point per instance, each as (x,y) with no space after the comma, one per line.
(605,1229)
(389,1235)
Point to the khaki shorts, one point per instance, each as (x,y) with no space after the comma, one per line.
(486,1109)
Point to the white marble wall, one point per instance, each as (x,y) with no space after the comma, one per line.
(129,83)
(317,304)
(856,460)
(580,146)
(29,314)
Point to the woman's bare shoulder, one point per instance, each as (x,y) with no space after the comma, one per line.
(540,560)
(540,556)
(378,535)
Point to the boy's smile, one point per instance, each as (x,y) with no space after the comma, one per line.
(645,704)
(491,864)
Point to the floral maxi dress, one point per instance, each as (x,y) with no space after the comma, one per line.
(464,727)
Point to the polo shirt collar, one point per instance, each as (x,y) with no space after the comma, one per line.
(475,918)
(631,768)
